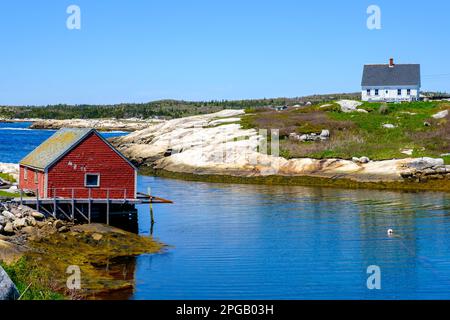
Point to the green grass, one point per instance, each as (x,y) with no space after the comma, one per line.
(9,194)
(446,159)
(7,177)
(23,274)
(381,143)
(361,134)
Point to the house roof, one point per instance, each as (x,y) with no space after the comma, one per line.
(59,144)
(398,75)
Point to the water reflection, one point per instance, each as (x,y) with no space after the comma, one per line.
(121,269)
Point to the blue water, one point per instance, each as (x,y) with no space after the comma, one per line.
(269,242)
(16,140)
(266,242)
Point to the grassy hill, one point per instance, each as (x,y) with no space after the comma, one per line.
(359,134)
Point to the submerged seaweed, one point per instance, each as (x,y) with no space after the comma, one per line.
(94,248)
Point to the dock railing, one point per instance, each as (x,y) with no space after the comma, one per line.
(113,194)
(90,193)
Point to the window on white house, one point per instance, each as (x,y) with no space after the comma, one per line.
(35,177)
(376,92)
(25,174)
(368,92)
(399,92)
(408,91)
(92,180)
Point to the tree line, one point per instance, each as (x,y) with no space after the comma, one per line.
(157,109)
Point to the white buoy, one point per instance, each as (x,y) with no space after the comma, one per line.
(390,232)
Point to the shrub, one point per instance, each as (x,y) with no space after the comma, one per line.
(384,109)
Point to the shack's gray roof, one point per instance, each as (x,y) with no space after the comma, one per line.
(383,75)
(59,144)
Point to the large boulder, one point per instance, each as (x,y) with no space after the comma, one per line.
(8,228)
(425,163)
(3,220)
(58,224)
(8,215)
(361,160)
(349,105)
(37,215)
(325,134)
(20,223)
(8,290)
(440,115)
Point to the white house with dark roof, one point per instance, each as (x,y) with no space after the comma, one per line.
(391,82)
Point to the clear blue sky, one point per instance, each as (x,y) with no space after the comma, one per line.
(137,51)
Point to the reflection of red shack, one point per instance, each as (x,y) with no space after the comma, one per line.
(78,163)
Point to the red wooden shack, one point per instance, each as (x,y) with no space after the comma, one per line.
(78,163)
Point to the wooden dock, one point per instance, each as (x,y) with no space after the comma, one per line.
(72,208)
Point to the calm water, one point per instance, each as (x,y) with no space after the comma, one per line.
(16,140)
(247,242)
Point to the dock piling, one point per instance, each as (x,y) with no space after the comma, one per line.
(37,200)
(107,207)
(152,218)
(89,205)
(73,205)
(54,204)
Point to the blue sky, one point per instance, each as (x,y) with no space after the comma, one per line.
(137,51)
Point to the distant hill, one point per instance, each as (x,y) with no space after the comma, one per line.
(167,109)
(156,109)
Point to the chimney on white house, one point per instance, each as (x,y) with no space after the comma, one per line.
(391,63)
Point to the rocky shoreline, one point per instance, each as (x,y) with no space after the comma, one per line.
(45,246)
(125,125)
(18,224)
(128,125)
(216,144)
(197,145)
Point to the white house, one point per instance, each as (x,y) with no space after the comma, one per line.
(391,82)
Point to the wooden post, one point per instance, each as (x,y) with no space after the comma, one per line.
(21,197)
(73,204)
(89,206)
(107,207)
(54,203)
(37,200)
(152,219)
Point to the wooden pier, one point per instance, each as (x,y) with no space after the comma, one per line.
(72,208)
